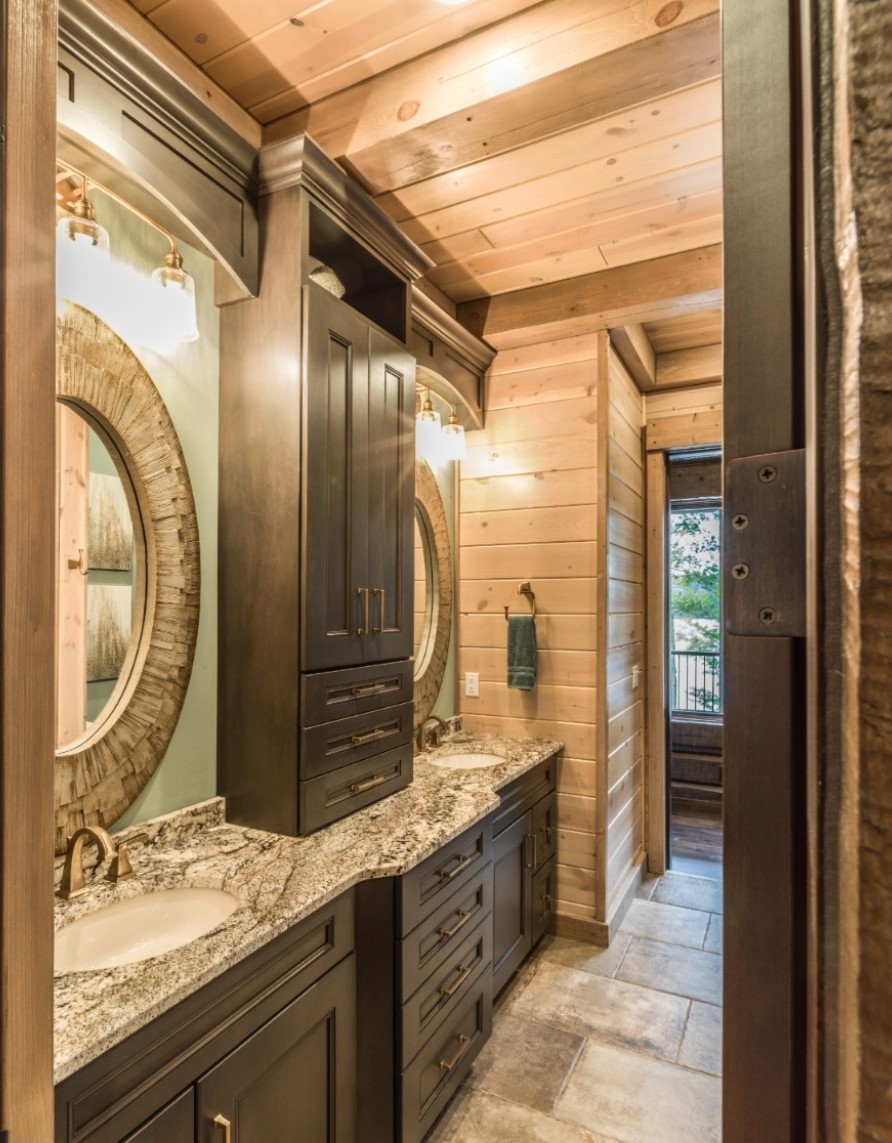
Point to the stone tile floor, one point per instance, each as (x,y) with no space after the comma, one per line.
(618,1045)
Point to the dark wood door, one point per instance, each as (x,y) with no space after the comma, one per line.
(512,900)
(334,602)
(175,1123)
(391,497)
(295,1078)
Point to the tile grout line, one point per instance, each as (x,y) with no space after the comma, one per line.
(684,1032)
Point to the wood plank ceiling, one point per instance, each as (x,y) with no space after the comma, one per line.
(560,161)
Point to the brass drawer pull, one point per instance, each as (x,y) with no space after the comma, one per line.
(364,629)
(361,739)
(448,1065)
(379,591)
(370,688)
(463,973)
(534,841)
(222,1121)
(445,875)
(463,918)
(368,784)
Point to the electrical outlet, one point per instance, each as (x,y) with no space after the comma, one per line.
(636,677)
(472,684)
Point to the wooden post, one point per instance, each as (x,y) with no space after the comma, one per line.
(27,430)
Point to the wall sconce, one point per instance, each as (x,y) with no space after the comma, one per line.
(158,316)
(435,442)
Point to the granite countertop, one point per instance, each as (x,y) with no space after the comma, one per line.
(278,881)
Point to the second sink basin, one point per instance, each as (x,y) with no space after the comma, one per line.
(140,927)
(468,761)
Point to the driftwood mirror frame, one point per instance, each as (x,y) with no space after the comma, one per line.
(98,776)
(431,665)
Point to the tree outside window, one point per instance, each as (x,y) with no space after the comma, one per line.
(695,610)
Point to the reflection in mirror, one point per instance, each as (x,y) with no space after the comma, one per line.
(433,647)
(101,575)
(425,571)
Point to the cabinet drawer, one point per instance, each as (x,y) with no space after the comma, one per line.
(331,745)
(544,830)
(333,796)
(328,695)
(441,1065)
(517,798)
(433,941)
(445,989)
(423,888)
(543,900)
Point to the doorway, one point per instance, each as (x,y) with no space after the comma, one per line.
(693,666)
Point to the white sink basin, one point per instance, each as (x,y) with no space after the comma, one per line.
(468,761)
(140,927)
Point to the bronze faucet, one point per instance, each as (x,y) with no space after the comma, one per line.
(440,729)
(72,884)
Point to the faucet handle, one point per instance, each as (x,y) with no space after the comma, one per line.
(120,868)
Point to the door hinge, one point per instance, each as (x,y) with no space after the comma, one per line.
(764,550)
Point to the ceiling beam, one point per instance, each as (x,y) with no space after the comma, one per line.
(636,353)
(632,294)
(698,366)
(548,69)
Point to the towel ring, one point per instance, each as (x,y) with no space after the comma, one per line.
(525,589)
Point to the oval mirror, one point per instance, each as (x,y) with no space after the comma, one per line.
(102,768)
(433,621)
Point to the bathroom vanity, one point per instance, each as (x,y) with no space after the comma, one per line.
(348,995)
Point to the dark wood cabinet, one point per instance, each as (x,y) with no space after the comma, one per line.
(425,986)
(523,856)
(294,1078)
(358,490)
(316,502)
(269,1046)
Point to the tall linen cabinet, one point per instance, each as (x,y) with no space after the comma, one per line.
(317,398)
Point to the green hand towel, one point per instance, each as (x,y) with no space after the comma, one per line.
(522,655)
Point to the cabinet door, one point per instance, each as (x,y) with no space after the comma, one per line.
(335,484)
(512,899)
(295,1078)
(174,1124)
(391,497)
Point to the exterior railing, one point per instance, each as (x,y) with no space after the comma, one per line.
(697,681)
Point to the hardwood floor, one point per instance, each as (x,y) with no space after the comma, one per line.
(696,838)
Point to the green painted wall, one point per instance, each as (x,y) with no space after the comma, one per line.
(187,378)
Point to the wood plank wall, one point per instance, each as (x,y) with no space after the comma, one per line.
(624,706)
(528,511)
(682,418)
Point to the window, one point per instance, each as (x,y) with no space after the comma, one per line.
(695,610)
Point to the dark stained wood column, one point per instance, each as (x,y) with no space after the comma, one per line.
(765,729)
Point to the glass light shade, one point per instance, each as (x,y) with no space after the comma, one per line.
(453,439)
(82,260)
(427,431)
(176,300)
(83,234)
